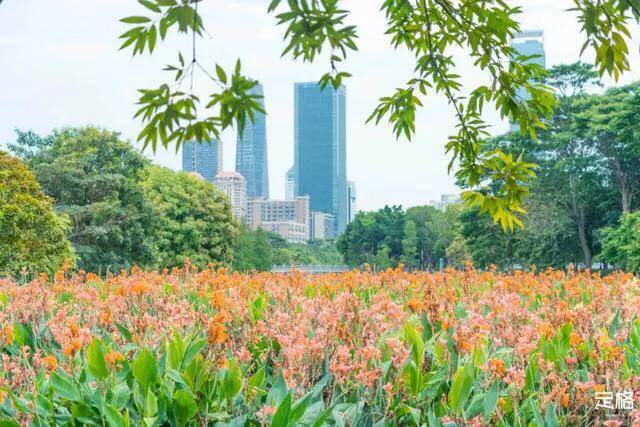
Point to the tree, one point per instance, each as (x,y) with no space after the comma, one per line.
(94,178)
(194,221)
(252,251)
(436,230)
(34,238)
(409,245)
(621,244)
(430,30)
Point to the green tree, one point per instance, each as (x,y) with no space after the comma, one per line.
(94,178)
(436,230)
(194,221)
(252,251)
(430,30)
(621,244)
(34,238)
(409,245)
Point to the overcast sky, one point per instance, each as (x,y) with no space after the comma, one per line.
(60,66)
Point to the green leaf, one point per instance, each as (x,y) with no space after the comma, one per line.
(281,416)
(490,401)
(96,360)
(550,417)
(461,387)
(145,369)
(150,404)
(135,20)
(9,423)
(185,406)
(221,74)
(255,383)
(126,334)
(231,381)
(113,417)
(65,388)
(150,5)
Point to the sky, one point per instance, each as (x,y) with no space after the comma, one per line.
(60,66)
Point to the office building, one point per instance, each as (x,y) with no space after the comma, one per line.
(272,212)
(291,231)
(203,158)
(351,188)
(290,184)
(235,187)
(322,226)
(320,149)
(251,152)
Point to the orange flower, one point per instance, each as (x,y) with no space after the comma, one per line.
(113,357)
(50,362)
(574,339)
(415,304)
(566,399)
(7,334)
(497,367)
(217,333)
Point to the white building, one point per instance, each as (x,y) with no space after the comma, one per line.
(351,189)
(290,184)
(235,187)
(445,200)
(322,226)
(267,214)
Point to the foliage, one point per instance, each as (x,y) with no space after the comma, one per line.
(430,30)
(220,348)
(194,221)
(252,251)
(93,177)
(34,238)
(369,233)
(621,244)
(260,250)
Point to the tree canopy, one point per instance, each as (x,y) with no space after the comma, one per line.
(430,30)
(34,237)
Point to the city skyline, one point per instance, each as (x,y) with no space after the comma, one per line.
(88,81)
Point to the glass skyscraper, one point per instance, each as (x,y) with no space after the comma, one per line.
(203,158)
(251,152)
(320,149)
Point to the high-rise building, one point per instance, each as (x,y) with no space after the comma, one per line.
(351,188)
(267,214)
(235,187)
(322,226)
(251,152)
(290,184)
(531,44)
(204,158)
(320,149)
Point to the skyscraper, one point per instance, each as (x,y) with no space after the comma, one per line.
(529,43)
(290,184)
(320,149)
(204,158)
(352,199)
(251,152)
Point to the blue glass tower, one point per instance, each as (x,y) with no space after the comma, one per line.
(320,149)
(203,158)
(251,152)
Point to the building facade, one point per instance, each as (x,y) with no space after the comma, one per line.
(251,152)
(235,187)
(261,212)
(320,149)
(445,200)
(294,232)
(290,184)
(322,226)
(203,158)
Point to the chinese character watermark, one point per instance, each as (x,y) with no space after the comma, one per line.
(620,400)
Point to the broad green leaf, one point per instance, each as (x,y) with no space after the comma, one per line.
(96,360)
(185,406)
(281,416)
(461,387)
(145,369)
(65,388)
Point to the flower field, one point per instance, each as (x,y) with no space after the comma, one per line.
(391,348)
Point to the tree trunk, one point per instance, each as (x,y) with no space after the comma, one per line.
(579,214)
(623,185)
